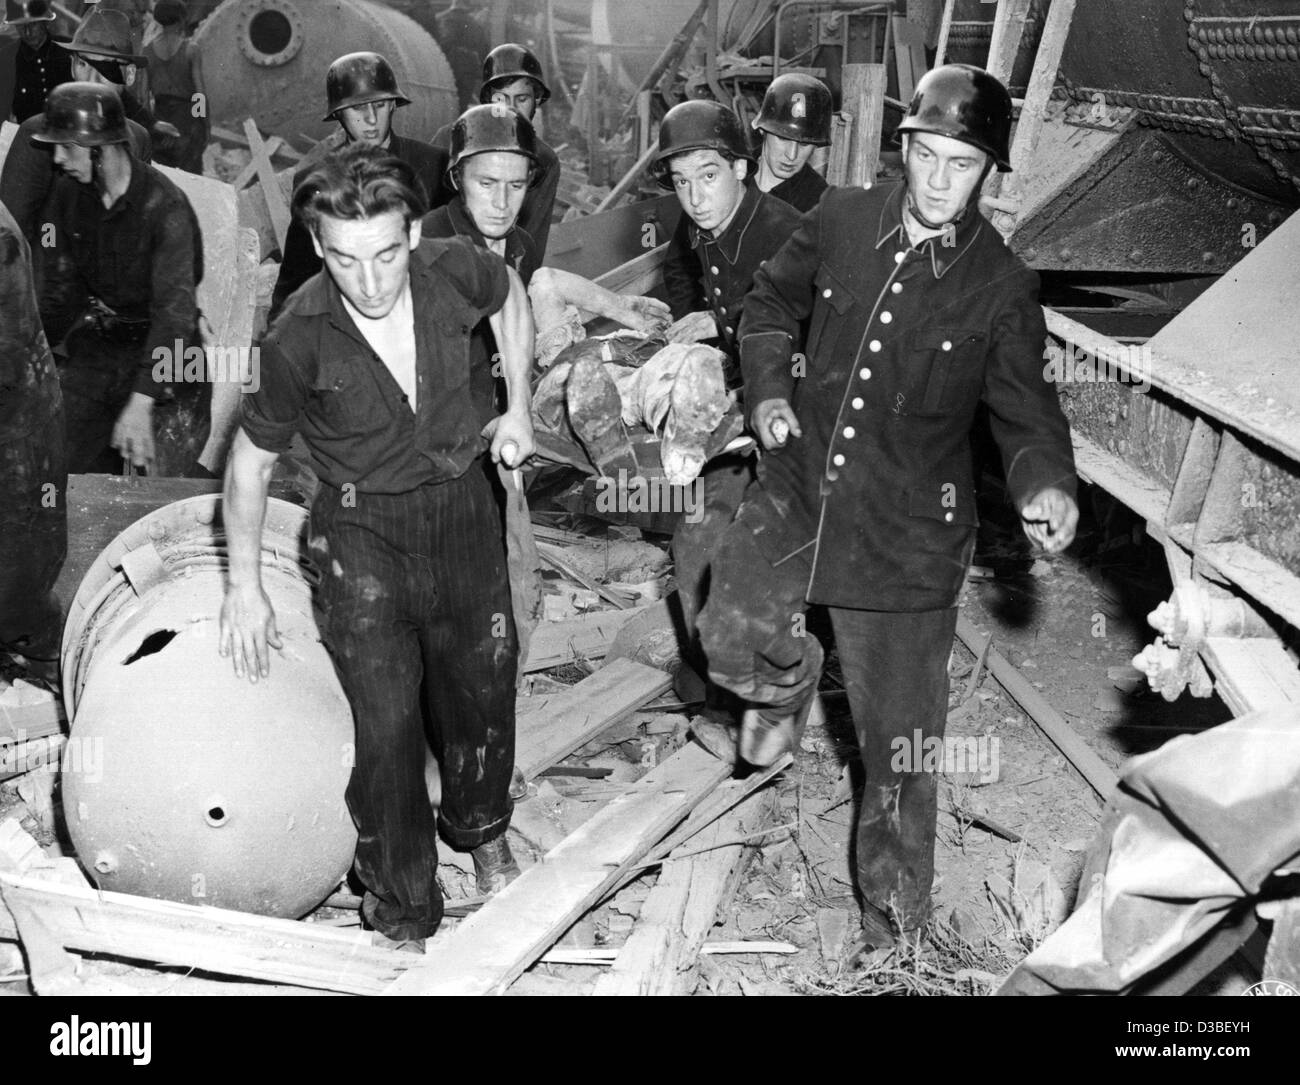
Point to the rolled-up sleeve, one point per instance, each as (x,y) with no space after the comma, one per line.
(775,308)
(272,413)
(1024,406)
(479,276)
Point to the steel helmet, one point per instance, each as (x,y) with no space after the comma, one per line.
(87,114)
(797,107)
(966,103)
(18,12)
(358,78)
(496,127)
(509,62)
(699,125)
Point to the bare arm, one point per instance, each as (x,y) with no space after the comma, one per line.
(247,620)
(512,325)
(645,315)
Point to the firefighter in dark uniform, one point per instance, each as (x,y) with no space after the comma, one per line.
(120,280)
(727,230)
(362,94)
(493,161)
(33,473)
(917,312)
(39,65)
(512,76)
(29,171)
(795,119)
(370,363)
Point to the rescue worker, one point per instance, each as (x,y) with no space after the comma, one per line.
(29,171)
(512,75)
(369,362)
(362,94)
(176,86)
(865,502)
(795,118)
(39,64)
(119,290)
(727,230)
(33,473)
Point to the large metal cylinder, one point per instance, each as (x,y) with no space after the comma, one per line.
(267,59)
(181,781)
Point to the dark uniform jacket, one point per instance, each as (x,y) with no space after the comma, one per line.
(137,264)
(902,346)
(29,173)
(704,272)
(300,261)
(802,191)
(320,377)
(36,73)
(539,201)
(452,220)
(29,383)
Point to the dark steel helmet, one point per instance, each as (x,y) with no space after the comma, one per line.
(496,127)
(966,103)
(699,125)
(87,114)
(358,78)
(18,12)
(797,107)
(509,62)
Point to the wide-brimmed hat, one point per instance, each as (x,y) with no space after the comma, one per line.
(104,34)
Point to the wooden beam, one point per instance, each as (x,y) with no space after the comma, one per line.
(24,722)
(1092,768)
(676,917)
(837,162)
(945,26)
(1008,29)
(549,733)
(211,939)
(513,929)
(587,636)
(864,98)
(270,185)
(1047,63)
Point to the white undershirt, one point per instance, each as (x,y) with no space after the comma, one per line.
(393,338)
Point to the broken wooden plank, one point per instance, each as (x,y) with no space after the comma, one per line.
(679,912)
(864,98)
(552,731)
(1092,768)
(269,183)
(586,636)
(24,722)
(211,939)
(495,945)
(554,558)
(23,757)
(604,956)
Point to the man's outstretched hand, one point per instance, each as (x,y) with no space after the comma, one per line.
(247,631)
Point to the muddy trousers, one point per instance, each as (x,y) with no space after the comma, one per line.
(895,672)
(415,611)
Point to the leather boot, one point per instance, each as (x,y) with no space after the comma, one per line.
(596,414)
(494,866)
(767,733)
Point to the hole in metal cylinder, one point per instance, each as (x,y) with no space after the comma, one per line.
(155,642)
(216,816)
(270,32)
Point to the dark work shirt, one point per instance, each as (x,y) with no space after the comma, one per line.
(722,268)
(36,73)
(802,191)
(539,201)
(321,378)
(300,261)
(902,345)
(142,258)
(452,220)
(29,173)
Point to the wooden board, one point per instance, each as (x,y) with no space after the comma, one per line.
(494,946)
(211,939)
(676,917)
(864,98)
(549,732)
(586,636)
